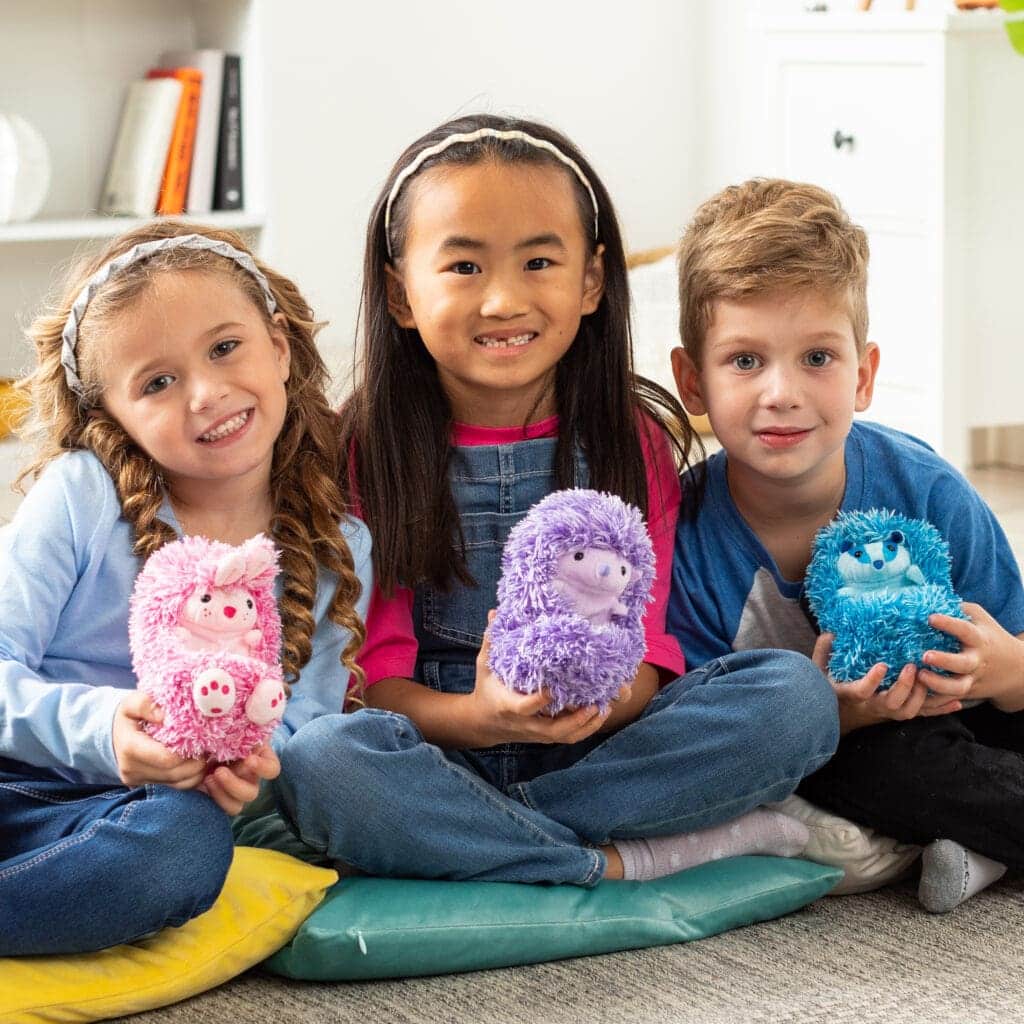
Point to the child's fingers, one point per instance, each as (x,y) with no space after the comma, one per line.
(529,704)
(581,724)
(159,763)
(236,786)
(823,651)
(950,686)
(913,704)
(267,765)
(213,787)
(864,688)
(936,704)
(962,629)
(900,692)
(141,707)
(960,663)
(567,726)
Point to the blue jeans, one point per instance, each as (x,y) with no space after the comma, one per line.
(84,867)
(366,789)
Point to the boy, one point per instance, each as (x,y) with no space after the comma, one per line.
(773,321)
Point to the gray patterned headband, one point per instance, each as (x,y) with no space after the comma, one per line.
(481,133)
(135,255)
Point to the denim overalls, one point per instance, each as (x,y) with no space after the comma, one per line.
(367,789)
(494,486)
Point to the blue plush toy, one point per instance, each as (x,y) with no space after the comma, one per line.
(874,579)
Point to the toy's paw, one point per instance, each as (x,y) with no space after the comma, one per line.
(266,702)
(214,692)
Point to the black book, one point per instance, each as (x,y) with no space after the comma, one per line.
(227,191)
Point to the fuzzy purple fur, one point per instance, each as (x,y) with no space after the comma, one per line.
(166,668)
(536,638)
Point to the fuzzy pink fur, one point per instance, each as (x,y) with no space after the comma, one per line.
(167,667)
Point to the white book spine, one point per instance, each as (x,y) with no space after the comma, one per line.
(140,151)
(204,155)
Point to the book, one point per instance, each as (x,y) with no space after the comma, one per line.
(204,153)
(174,187)
(228,185)
(137,162)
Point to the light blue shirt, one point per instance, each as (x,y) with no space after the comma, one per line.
(66,575)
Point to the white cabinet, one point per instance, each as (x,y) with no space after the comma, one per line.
(64,66)
(916,121)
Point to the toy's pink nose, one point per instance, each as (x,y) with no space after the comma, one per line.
(229,611)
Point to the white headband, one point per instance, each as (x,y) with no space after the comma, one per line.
(135,255)
(481,133)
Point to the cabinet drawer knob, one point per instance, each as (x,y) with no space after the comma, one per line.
(839,140)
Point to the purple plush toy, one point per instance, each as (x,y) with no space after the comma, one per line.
(576,576)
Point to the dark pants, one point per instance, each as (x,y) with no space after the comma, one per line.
(958,776)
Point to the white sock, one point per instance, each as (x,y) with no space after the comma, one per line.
(950,874)
(759,831)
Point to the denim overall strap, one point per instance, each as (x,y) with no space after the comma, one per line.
(494,486)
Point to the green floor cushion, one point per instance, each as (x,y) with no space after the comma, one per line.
(392,928)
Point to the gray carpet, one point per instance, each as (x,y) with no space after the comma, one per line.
(843,960)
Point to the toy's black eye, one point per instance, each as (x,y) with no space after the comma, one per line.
(577,556)
(205,599)
(858,553)
(623,570)
(890,547)
(248,603)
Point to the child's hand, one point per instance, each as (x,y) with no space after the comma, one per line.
(989,664)
(861,704)
(232,786)
(499,715)
(140,758)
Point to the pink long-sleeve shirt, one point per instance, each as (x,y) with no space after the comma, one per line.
(391,647)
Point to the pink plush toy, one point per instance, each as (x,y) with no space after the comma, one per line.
(205,638)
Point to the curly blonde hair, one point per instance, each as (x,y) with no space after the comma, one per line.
(304,484)
(768,235)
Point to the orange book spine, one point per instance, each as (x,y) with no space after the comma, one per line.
(174,187)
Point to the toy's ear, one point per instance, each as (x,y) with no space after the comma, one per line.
(896,537)
(259,557)
(845,546)
(230,568)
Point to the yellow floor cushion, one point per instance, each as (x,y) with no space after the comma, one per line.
(266,897)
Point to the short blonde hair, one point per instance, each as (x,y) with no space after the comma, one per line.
(768,235)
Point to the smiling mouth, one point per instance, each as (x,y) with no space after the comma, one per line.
(515,342)
(227,428)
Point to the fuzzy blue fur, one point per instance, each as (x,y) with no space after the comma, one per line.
(536,640)
(875,623)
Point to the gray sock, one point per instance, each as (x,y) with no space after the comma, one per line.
(760,831)
(950,874)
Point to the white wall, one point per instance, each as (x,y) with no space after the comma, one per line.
(350,86)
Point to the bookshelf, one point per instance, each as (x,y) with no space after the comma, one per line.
(64,66)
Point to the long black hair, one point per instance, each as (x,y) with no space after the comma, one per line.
(398,420)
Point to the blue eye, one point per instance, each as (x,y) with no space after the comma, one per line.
(538,263)
(465,267)
(158,384)
(746,362)
(819,358)
(225,347)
